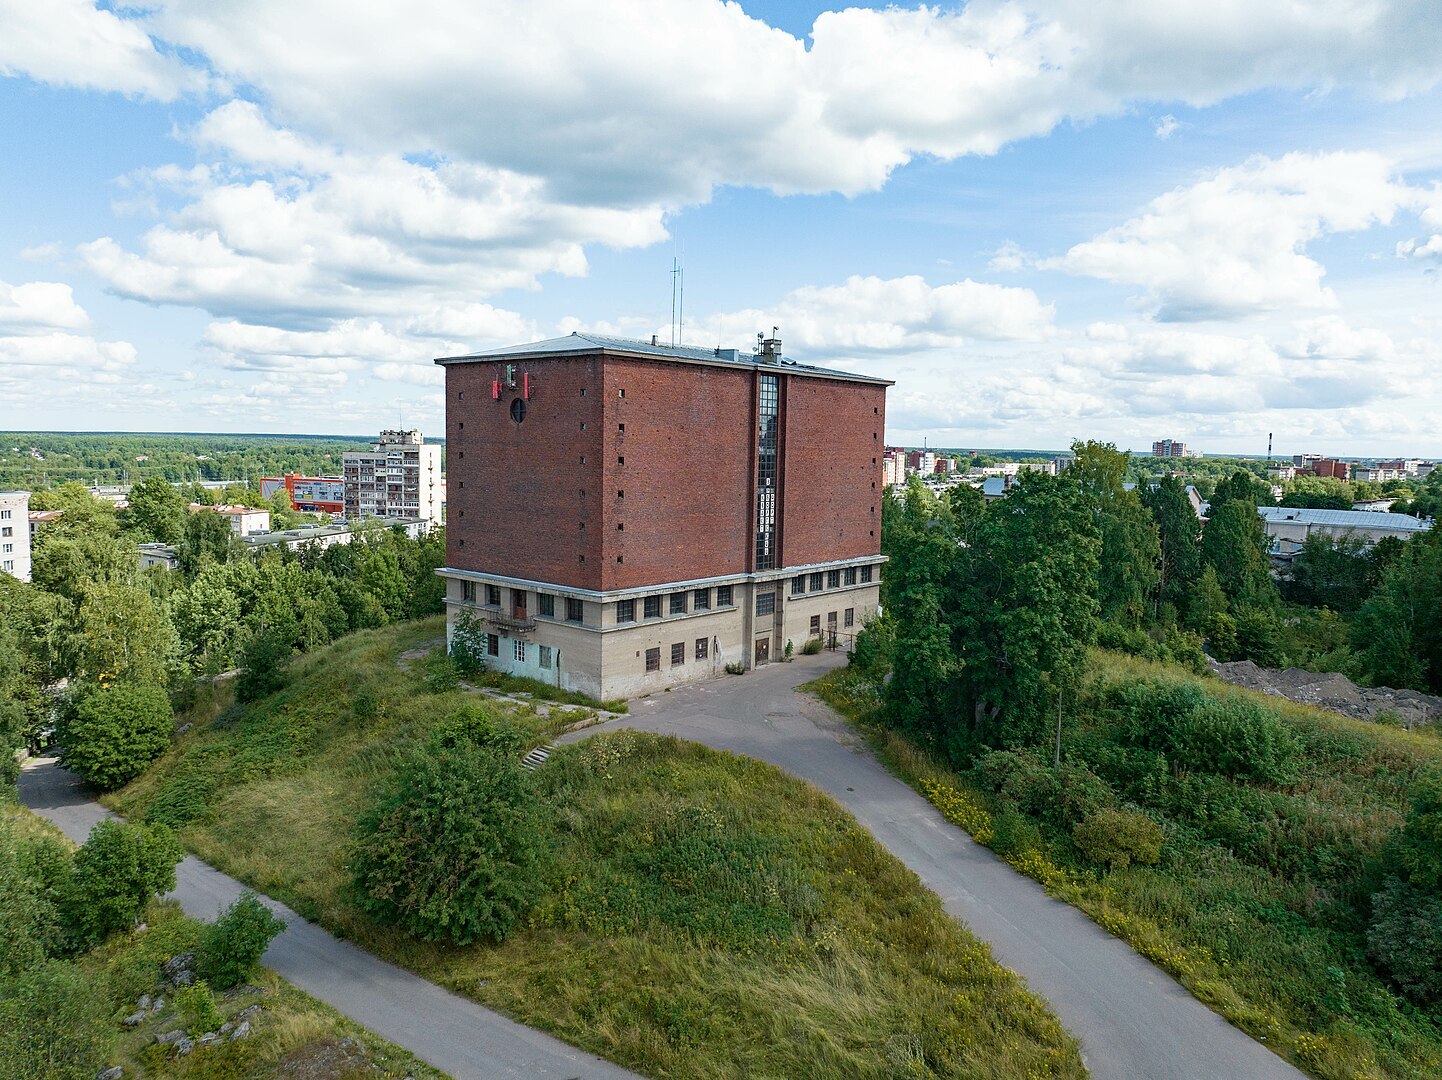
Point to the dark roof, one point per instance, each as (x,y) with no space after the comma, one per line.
(578,343)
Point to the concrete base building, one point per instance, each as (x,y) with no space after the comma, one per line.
(15,534)
(626,516)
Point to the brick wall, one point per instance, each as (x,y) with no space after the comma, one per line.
(829,482)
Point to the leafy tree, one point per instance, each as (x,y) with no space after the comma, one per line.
(1259,637)
(207,539)
(1127,570)
(207,616)
(1178,533)
(231,947)
(263,662)
(118,869)
(1333,572)
(156,511)
(1319,493)
(1398,630)
(1404,936)
(1025,607)
(454,849)
(68,565)
(1244,487)
(120,633)
(468,645)
(1234,544)
(108,736)
(33,871)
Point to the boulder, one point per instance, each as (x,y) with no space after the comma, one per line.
(242,1030)
(115,1072)
(135,1019)
(170,1038)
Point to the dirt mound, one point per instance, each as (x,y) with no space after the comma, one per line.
(1334,691)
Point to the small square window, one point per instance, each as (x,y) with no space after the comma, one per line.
(625,611)
(652,607)
(518,649)
(723,596)
(848,617)
(866,575)
(493,595)
(765,603)
(703,646)
(545,657)
(678,653)
(546,605)
(851,575)
(833,579)
(701,600)
(574,610)
(653,659)
(678,603)
(816,582)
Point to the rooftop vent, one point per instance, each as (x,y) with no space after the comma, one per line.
(768,349)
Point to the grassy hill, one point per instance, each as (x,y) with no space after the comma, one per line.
(708,915)
(1273,840)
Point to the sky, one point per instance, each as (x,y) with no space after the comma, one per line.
(1123,220)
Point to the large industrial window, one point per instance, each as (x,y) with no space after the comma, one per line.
(866,575)
(816,582)
(849,618)
(493,645)
(766,473)
(493,595)
(701,600)
(765,603)
(723,596)
(851,575)
(653,659)
(816,626)
(573,609)
(518,650)
(678,603)
(678,653)
(546,604)
(833,579)
(652,607)
(702,646)
(798,585)
(625,611)
(468,591)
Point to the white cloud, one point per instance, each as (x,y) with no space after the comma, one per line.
(1167,126)
(39,305)
(1234,243)
(75,43)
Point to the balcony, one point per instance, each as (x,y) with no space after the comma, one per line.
(518,622)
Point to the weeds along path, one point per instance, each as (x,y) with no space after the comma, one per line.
(453,1034)
(1134,1021)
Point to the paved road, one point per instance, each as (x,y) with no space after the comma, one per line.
(451,1033)
(1135,1022)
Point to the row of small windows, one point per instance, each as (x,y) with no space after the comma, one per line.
(675,604)
(678,653)
(832,579)
(545,602)
(544,653)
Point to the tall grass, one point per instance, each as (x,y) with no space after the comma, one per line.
(706,915)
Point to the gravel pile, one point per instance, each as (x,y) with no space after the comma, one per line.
(1334,691)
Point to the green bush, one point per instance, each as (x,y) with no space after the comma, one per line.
(468,645)
(812,647)
(1119,838)
(1221,633)
(454,848)
(1012,833)
(440,673)
(116,872)
(53,1024)
(1405,938)
(231,947)
(109,736)
(1027,781)
(262,666)
(1259,637)
(33,872)
(196,1005)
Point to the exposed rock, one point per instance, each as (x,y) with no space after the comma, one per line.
(184,1046)
(169,1038)
(135,1019)
(115,1072)
(179,970)
(210,1038)
(247,1012)
(242,1030)
(1333,691)
(144,1002)
(226,1028)
(157,1004)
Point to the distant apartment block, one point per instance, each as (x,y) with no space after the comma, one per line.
(398,478)
(244,520)
(15,534)
(308,494)
(1172,448)
(1340,470)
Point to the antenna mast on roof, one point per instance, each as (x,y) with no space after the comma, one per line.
(678,300)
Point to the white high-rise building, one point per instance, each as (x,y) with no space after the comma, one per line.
(399,478)
(15,534)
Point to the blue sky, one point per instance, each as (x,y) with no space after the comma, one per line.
(1045,220)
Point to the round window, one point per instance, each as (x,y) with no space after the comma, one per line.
(518,410)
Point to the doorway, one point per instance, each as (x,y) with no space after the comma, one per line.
(763,651)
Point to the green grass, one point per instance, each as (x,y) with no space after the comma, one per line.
(707,916)
(1259,909)
(290,1030)
(520,684)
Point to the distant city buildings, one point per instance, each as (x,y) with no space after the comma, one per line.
(15,534)
(398,478)
(1170,448)
(308,494)
(244,520)
(1288,527)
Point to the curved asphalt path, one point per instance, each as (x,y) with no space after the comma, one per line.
(455,1035)
(1135,1022)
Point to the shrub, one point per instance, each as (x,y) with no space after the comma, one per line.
(468,645)
(1235,738)
(116,872)
(454,849)
(1029,783)
(262,666)
(1013,833)
(109,736)
(812,647)
(1259,637)
(32,871)
(1405,938)
(53,1024)
(196,1005)
(439,673)
(231,947)
(1221,633)
(184,796)
(1119,838)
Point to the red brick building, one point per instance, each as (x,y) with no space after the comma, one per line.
(624,516)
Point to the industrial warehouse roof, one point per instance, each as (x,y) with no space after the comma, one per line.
(1355,519)
(577,343)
